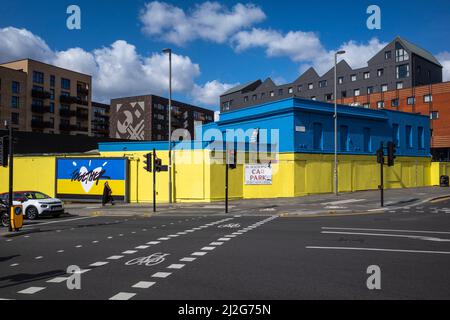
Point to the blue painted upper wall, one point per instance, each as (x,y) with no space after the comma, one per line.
(306,126)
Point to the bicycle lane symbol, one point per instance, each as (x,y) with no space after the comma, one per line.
(149,261)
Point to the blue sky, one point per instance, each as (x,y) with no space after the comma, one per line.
(216,45)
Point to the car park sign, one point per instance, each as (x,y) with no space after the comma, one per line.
(258,174)
(84,178)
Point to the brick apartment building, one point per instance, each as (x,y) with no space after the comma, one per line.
(100,119)
(146,118)
(38,97)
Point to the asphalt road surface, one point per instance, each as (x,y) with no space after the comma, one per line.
(232,257)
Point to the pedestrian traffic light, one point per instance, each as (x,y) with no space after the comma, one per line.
(391,153)
(380,156)
(148,162)
(4,146)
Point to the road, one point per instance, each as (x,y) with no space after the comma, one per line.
(243,257)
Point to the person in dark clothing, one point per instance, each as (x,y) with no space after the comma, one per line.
(107,195)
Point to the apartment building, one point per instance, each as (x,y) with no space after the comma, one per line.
(146,118)
(432,100)
(51,100)
(401,64)
(100,119)
(13,84)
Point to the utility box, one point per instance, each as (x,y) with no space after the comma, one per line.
(444,181)
(16,216)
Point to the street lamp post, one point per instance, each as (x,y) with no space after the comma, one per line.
(169,51)
(336,188)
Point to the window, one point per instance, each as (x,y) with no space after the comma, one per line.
(411,100)
(394,103)
(366,75)
(367,140)
(15,87)
(396,134)
(37,102)
(428,98)
(344,138)
(38,77)
(387,55)
(313,98)
(291,90)
(357,92)
(409,141)
(65,93)
(370,90)
(15,118)
(317,136)
(366,105)
(65,84)
(343,94)
(402,71)
(434,115)
(400,53)
(272,94)
(384,88)
(254,97)
(226,106)
(328,97)
(380,104)
(399,85)
(310,86)
(323,83)
(263,94)
(52,81)
(380,72)
(52,107)
(15,102)
(52,94)
(280,92)
(246,99)
(421,138)
(341,80)
(299,88)
(353,77)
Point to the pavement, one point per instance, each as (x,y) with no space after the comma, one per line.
(239,257)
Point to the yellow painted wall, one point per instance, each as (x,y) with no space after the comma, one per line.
(197,178)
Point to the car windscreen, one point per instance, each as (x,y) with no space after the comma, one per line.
(40,196)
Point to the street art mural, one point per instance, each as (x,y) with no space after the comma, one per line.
(130,121)
(84,178)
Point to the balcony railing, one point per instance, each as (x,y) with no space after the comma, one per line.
(67,113)
(36,108)
(83,90)
(41,124)
(40,94)
(82,114)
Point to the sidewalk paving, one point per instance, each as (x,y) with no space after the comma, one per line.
(362,201)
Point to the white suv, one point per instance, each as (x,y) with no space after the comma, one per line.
(36,204)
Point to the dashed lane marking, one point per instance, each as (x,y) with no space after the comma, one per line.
(58,280)
(199,254)
(161,275)
(208,248)
(388,230)
(115,257)
(31,290)
(379,249)
(142,247)
(216,243)
(153,242)
(176,266)
(129,252)
(224,239)
(188,259)
(123,296)
(98,264)
(14,265)
(143,284)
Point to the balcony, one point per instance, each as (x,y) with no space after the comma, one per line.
(84,91)
(67,113)
(36,108)
(82,113)
(41,124)
(68,99)
(40,94)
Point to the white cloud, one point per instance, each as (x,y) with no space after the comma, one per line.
(117,70)
(210,21)
(444,59)
(209,93)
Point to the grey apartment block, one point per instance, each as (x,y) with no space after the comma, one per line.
(400,64)
(146,118)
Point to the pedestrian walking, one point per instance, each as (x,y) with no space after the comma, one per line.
(107,195)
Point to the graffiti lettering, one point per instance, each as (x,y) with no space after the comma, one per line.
(88,176)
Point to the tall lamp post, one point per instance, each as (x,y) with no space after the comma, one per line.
(169,51)
(336,188)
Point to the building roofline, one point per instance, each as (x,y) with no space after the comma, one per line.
(45,63)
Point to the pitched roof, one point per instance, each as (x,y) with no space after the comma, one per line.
(419,51)
(242,87)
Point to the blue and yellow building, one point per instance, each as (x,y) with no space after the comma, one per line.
(295,142)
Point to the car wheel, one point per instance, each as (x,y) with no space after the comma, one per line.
(32,213)
(5,220)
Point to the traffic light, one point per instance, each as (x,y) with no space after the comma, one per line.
(4,151)
(380,156)
(158,165)
(148,162)
(391,153)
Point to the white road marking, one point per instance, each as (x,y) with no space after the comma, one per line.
(216,243)
(378,249)
(333,203)
(161,275)
(83,271)
(110,237)
(174,235)
(231,236)
(14,265)
(389,235)
(98,264)
(224,239)
(199,254)
(208,248)
(153,242)
(121,235)
(388,230)
(58,280)
(143,285)
(123,296)
(188,259)
(59,221)
(39,258)
(142,247)
(60,251)
(164,239)
(115,257)
(79,246)
(31,290)
(95,241)
(129,252)
(175,266)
